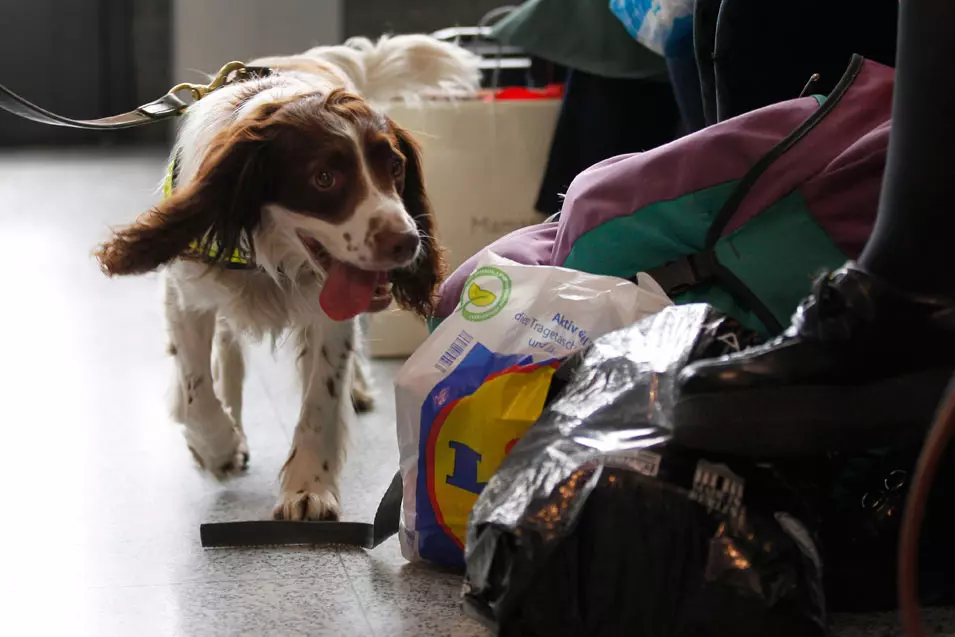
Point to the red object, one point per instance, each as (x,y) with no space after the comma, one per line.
(549,92)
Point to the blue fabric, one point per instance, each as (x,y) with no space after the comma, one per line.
(663,26)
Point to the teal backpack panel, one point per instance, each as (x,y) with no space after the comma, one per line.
(789,237)
(785,234)
(655,234)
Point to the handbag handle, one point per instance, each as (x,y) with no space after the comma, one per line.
(482,32)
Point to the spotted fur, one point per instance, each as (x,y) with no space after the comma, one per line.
(299,159)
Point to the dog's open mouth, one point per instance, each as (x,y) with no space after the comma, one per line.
(348,291)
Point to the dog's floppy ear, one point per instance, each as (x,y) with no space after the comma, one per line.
(416,287)
(220,205)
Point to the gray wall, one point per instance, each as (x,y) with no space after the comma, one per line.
(92,58)
(84,59)
(209,33)
(374,17)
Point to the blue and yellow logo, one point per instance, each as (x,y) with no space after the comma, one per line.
(471,432)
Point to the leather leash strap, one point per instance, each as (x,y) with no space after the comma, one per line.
(281,533)
(166,107)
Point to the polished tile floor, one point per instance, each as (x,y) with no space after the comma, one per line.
(101,502)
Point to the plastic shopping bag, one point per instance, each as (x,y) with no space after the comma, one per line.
(663,26)
(469,393)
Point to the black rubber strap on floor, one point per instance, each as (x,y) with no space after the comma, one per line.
(165,107)
(282,533)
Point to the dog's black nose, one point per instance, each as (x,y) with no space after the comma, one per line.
(400,247)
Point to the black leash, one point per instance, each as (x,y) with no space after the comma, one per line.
(279,533)
(166,107)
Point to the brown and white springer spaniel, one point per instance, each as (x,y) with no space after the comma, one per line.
(325,193)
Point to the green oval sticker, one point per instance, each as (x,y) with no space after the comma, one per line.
(485,294)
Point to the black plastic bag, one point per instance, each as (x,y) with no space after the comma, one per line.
(596,525)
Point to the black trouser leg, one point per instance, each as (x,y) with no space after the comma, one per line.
(765,51)
(912,243)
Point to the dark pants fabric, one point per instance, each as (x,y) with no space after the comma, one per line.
(600,118)
(685,78)
(753,53)
(912,240)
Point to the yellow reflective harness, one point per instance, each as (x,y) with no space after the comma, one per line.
(204,250)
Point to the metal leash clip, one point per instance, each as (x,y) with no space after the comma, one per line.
(221,79)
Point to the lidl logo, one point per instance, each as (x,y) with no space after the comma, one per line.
(472,435)
(485,294)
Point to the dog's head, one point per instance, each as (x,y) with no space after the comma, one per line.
(317,181)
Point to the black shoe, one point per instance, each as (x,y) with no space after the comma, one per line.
(863,364)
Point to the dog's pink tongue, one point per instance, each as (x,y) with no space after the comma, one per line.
(347,291)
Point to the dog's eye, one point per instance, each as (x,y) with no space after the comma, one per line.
(324,180)
(397,167)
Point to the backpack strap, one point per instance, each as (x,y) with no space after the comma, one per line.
(686,273)
(284,533)
(703,267)
(735,199)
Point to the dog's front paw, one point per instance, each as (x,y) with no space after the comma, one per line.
(362,400)
(222,456)
(315,504)
(309,487)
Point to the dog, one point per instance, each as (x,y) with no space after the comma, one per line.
(299,170)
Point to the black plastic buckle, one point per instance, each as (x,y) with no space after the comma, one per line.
(687,272)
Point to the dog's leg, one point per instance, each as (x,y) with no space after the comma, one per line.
(362,397)
(210,433)
(310,475)
(228,371)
